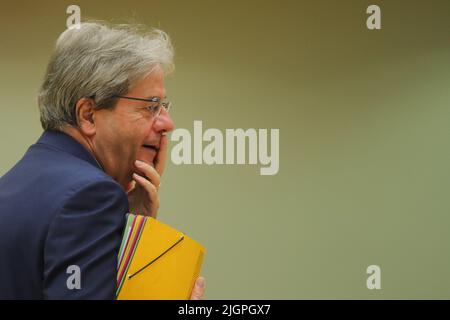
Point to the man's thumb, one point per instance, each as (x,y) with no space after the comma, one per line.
(199,289)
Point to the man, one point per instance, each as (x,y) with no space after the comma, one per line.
(103,150)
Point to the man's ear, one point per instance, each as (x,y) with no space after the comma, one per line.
(84,111)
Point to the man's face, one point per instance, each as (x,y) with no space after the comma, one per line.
(127,132)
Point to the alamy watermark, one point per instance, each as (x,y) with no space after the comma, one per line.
(235,146)
(373,22)
(74,279)
(374,280)
(73,21)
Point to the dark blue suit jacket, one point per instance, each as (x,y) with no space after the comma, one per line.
(59,209)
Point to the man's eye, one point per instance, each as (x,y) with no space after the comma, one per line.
(153,108)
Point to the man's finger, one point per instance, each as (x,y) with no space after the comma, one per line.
(148,186)
(199,289)
(149,172)
(160,161)
(151,193)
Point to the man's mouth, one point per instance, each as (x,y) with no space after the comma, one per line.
(155,148)
(150,155)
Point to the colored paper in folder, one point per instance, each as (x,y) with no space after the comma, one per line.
(156,261)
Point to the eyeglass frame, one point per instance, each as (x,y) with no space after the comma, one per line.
(167,105)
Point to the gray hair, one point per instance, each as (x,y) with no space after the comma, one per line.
(98,61)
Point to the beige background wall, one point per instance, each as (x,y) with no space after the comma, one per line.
(364,137)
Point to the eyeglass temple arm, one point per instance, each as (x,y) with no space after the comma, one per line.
(139,99)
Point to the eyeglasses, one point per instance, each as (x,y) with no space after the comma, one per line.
(155,107)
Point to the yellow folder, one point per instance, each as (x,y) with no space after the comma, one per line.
(156,261)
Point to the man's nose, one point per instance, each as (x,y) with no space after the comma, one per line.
(163,122)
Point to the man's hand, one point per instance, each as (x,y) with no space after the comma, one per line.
(143,195)
(198,292)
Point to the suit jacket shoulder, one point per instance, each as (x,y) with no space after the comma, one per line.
(59,212)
